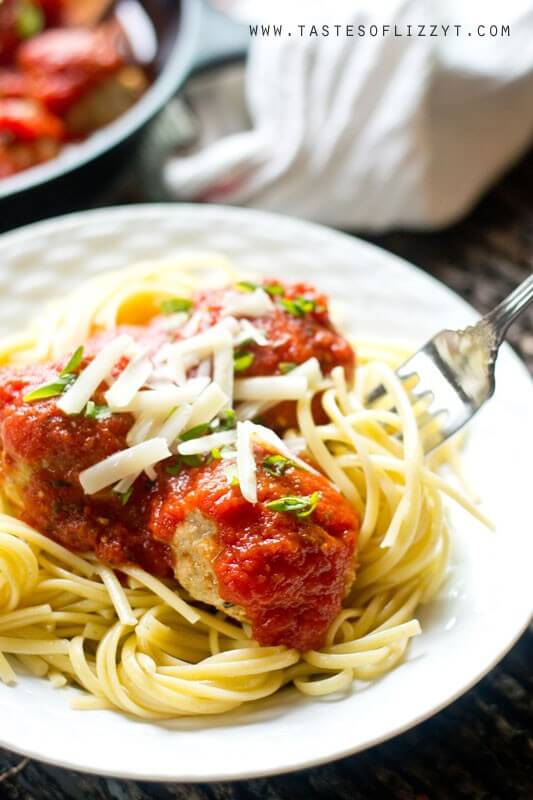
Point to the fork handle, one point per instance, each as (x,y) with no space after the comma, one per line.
(509,309)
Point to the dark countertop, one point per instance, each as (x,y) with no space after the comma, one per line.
(480,747)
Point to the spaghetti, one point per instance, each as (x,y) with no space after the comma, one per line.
(143,645)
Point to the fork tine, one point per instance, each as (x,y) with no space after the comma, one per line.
(375,395)
(433,388)
(455,369)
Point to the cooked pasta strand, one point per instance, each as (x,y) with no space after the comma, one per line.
(142,646)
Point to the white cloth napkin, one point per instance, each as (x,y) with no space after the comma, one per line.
(379,132)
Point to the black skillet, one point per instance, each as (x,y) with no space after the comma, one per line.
(191,36)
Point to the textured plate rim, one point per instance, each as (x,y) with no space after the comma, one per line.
(520,625)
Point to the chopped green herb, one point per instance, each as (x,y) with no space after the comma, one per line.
(286,366)
(249,286)
(225,422)
(232,474)
(73,363)
(175,305)
(125,496)
(195,460)
(214,455)
(301,506)
(228,419)
(94,411)
(48,390)
(241,361)
(246,286)
(194,433)
(277,465)
(299,306)
(30,20)
(274,289)
(65,379)
(174,469)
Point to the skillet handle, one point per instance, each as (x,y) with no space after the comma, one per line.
(221,39)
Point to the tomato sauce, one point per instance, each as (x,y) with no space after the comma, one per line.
(292,340)
(43,451)
(289,574)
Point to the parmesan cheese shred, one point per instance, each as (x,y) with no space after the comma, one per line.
(140,645)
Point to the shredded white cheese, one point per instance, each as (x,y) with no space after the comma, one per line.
(122,486)
(296,444)
(232,325)
(204,444)
(204,368)
(76,398)
(160,402)
(203,344)
(250,333)
(128,383)
(165,403)
(169,366)
(246,466)
(247,304)
(251,410)
(122,464)
(141,430)
(175,424)
(310,369)
(223,372)
(174,321)
(276,387)
(209,404)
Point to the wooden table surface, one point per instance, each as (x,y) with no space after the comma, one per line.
(481,746)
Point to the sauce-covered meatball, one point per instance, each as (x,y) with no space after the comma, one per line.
(297,328)
(282,563)
(286,572)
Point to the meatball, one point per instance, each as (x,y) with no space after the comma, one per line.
(298,328)
(42,452)
(283,573)
(282,564)
(286,574)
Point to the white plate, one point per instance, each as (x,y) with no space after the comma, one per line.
(484,606)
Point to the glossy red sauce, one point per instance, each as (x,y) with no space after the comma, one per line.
(291,340)
(51,449)
(289,574)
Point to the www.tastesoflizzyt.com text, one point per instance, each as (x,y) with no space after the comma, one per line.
(375,31)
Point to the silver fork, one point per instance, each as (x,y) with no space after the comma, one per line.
(454,372)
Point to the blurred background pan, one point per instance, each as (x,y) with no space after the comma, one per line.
(189,37)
